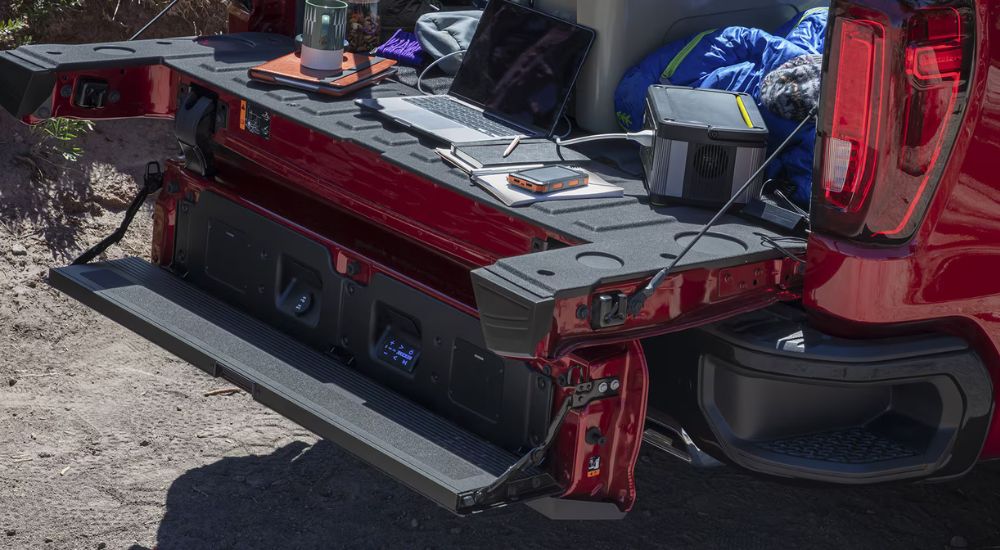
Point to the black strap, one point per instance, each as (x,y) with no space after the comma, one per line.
(152,181)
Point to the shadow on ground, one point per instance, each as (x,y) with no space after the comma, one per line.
(318,496)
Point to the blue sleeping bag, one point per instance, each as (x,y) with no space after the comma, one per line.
(735,59)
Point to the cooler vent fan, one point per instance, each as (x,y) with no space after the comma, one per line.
(711,161)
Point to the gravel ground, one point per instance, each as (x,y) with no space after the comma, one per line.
(111,442)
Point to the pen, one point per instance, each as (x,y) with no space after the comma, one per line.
(513,145)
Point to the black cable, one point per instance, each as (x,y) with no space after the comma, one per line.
(775,243)
(151,182)
(639,298)
(154,19)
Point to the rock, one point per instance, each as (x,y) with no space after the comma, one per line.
(18,249)
(101,546)
(11,382)
(144,443)
(47,540)
(10,532)
(44,454)
(959,541)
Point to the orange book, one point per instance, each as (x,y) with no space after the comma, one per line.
(358,71)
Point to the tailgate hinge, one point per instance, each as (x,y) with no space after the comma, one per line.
(198,116)
(515,483)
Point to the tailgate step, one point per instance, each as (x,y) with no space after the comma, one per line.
(426,452)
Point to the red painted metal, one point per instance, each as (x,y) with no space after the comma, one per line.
(686,299)
(146,91)
(359,179)
(620,419)
(945,277)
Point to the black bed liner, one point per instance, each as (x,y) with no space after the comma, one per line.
(426,452)
(639,239)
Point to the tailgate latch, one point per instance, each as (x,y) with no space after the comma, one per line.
(610,310)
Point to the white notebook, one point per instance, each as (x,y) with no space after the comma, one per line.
(511,195)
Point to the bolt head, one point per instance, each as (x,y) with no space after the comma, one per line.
(602,387)
(615,384)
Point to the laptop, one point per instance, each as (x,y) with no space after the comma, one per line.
(515,80)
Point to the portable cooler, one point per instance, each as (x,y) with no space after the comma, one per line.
(707,144)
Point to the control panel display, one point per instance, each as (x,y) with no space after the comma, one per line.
(398,350)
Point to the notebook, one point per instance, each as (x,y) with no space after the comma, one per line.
(482,154)
(359,70)
(461,164)
(511,195)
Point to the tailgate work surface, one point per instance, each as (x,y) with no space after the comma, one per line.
(639,238)
(429,454)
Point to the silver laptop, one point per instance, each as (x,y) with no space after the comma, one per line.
(515,80)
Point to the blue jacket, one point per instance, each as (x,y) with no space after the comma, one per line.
(735,59)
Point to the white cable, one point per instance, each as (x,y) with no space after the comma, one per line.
(569,128)
(644,137)
(431,66)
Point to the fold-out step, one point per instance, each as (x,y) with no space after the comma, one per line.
(427,453)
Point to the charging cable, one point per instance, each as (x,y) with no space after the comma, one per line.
(431,66)
(645,138)
(637,300)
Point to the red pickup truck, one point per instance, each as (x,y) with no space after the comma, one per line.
(331,265)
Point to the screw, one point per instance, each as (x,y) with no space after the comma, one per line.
(542,383)
(615,384)
(602,387)
(181,255)
(581,312)
(350,289)
(66,91)
(114,96)
(353,268)
(185,207)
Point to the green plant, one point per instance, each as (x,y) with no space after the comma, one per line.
(61,134)
(13,32)
(18,16)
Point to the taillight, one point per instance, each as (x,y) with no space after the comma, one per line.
(893,93)
(853,138)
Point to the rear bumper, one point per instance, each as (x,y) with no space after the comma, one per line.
(771,394)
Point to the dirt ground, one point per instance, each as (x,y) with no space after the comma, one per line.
(107,441)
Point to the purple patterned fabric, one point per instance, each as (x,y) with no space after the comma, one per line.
(403,47)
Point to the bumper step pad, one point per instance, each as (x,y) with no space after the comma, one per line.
(427,453)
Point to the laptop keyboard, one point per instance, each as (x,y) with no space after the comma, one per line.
(463,114)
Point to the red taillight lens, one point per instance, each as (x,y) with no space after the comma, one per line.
(891,106)
(854,129)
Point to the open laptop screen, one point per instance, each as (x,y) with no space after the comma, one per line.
(522,64)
